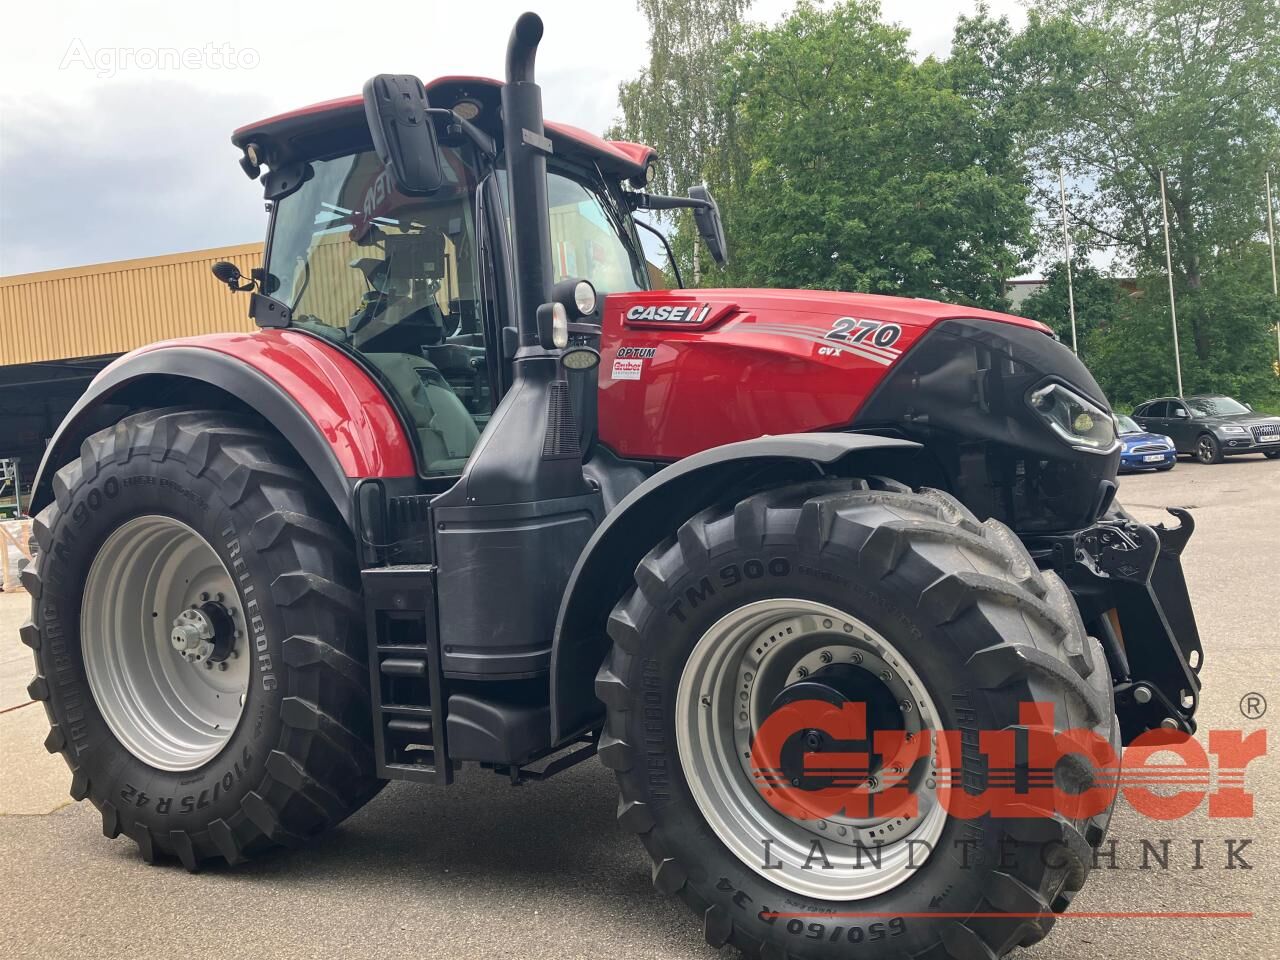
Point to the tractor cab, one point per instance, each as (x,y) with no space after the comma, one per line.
(419,287)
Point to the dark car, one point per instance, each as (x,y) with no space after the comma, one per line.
(1211,427)
(1140,450)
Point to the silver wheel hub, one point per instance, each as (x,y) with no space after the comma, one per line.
(161,630)
(772,652)
(193,635)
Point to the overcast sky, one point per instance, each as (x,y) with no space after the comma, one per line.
(105,156)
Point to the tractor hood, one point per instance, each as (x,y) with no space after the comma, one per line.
(751,362)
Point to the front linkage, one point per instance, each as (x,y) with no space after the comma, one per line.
(1128,583)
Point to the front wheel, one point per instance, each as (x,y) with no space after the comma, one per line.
(1272,454)
(198,639)
(814,597)
(1208,449)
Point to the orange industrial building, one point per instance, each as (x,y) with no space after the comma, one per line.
(60,327)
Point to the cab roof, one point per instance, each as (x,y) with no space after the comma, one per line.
(328,128)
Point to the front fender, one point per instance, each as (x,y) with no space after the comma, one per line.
(331,411)
(654,509)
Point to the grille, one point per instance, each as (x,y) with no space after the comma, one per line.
(1151,448)
(1266,430)
(561,438)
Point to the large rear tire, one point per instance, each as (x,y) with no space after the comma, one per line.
(955,619)
(199,639)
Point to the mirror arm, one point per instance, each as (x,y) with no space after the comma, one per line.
(675,267)
(482,141)
(652,201)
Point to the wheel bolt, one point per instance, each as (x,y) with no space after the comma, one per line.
(857,658)
(906,706)
(706,701)
(826,656)
(886,676)
(802,672)
(204,597)
(222,665)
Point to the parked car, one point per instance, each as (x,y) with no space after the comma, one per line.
(1211,427)
(1140,450)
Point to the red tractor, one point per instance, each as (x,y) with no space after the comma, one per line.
(476,495)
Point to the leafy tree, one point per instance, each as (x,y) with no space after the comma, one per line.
(1098,302)
(673,105)
(1116,92)
(851,167)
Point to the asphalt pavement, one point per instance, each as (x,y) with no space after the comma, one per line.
(482,869)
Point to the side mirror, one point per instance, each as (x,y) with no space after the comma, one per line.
(404,136)
(1181,414)
(710,226)
(1249,407)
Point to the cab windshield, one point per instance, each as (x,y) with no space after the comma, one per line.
(398,279)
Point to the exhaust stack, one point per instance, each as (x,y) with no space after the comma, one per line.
(527,148)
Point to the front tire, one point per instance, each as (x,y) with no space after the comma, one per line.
(912,583)
(1208,449)
(1272,454)
(198,637)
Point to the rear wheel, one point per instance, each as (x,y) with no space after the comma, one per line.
(835,593)
(198,638)
(1208,450)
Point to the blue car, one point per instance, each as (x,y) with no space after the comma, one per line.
(1144,451)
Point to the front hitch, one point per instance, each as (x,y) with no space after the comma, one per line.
(1128,583)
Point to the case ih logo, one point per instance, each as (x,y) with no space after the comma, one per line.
(849,782)
(690,315)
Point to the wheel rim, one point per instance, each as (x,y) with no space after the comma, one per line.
(1206,449)
(729,684)
(161,633)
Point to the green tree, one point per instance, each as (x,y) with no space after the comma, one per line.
(1116,92)
(851,167)
(673,104)
(1098,302)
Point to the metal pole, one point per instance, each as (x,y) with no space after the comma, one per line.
(1066,246)
(1168,259)
(1271,234)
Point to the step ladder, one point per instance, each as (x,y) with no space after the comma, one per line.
(404,674)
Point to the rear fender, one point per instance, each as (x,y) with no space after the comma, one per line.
(335,416)
(654,509)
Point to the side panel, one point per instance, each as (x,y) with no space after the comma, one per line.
(683,371)
(330,410)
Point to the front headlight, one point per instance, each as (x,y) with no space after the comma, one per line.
(1232,428)
(1079,422)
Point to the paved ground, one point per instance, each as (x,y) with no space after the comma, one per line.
(541,871)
